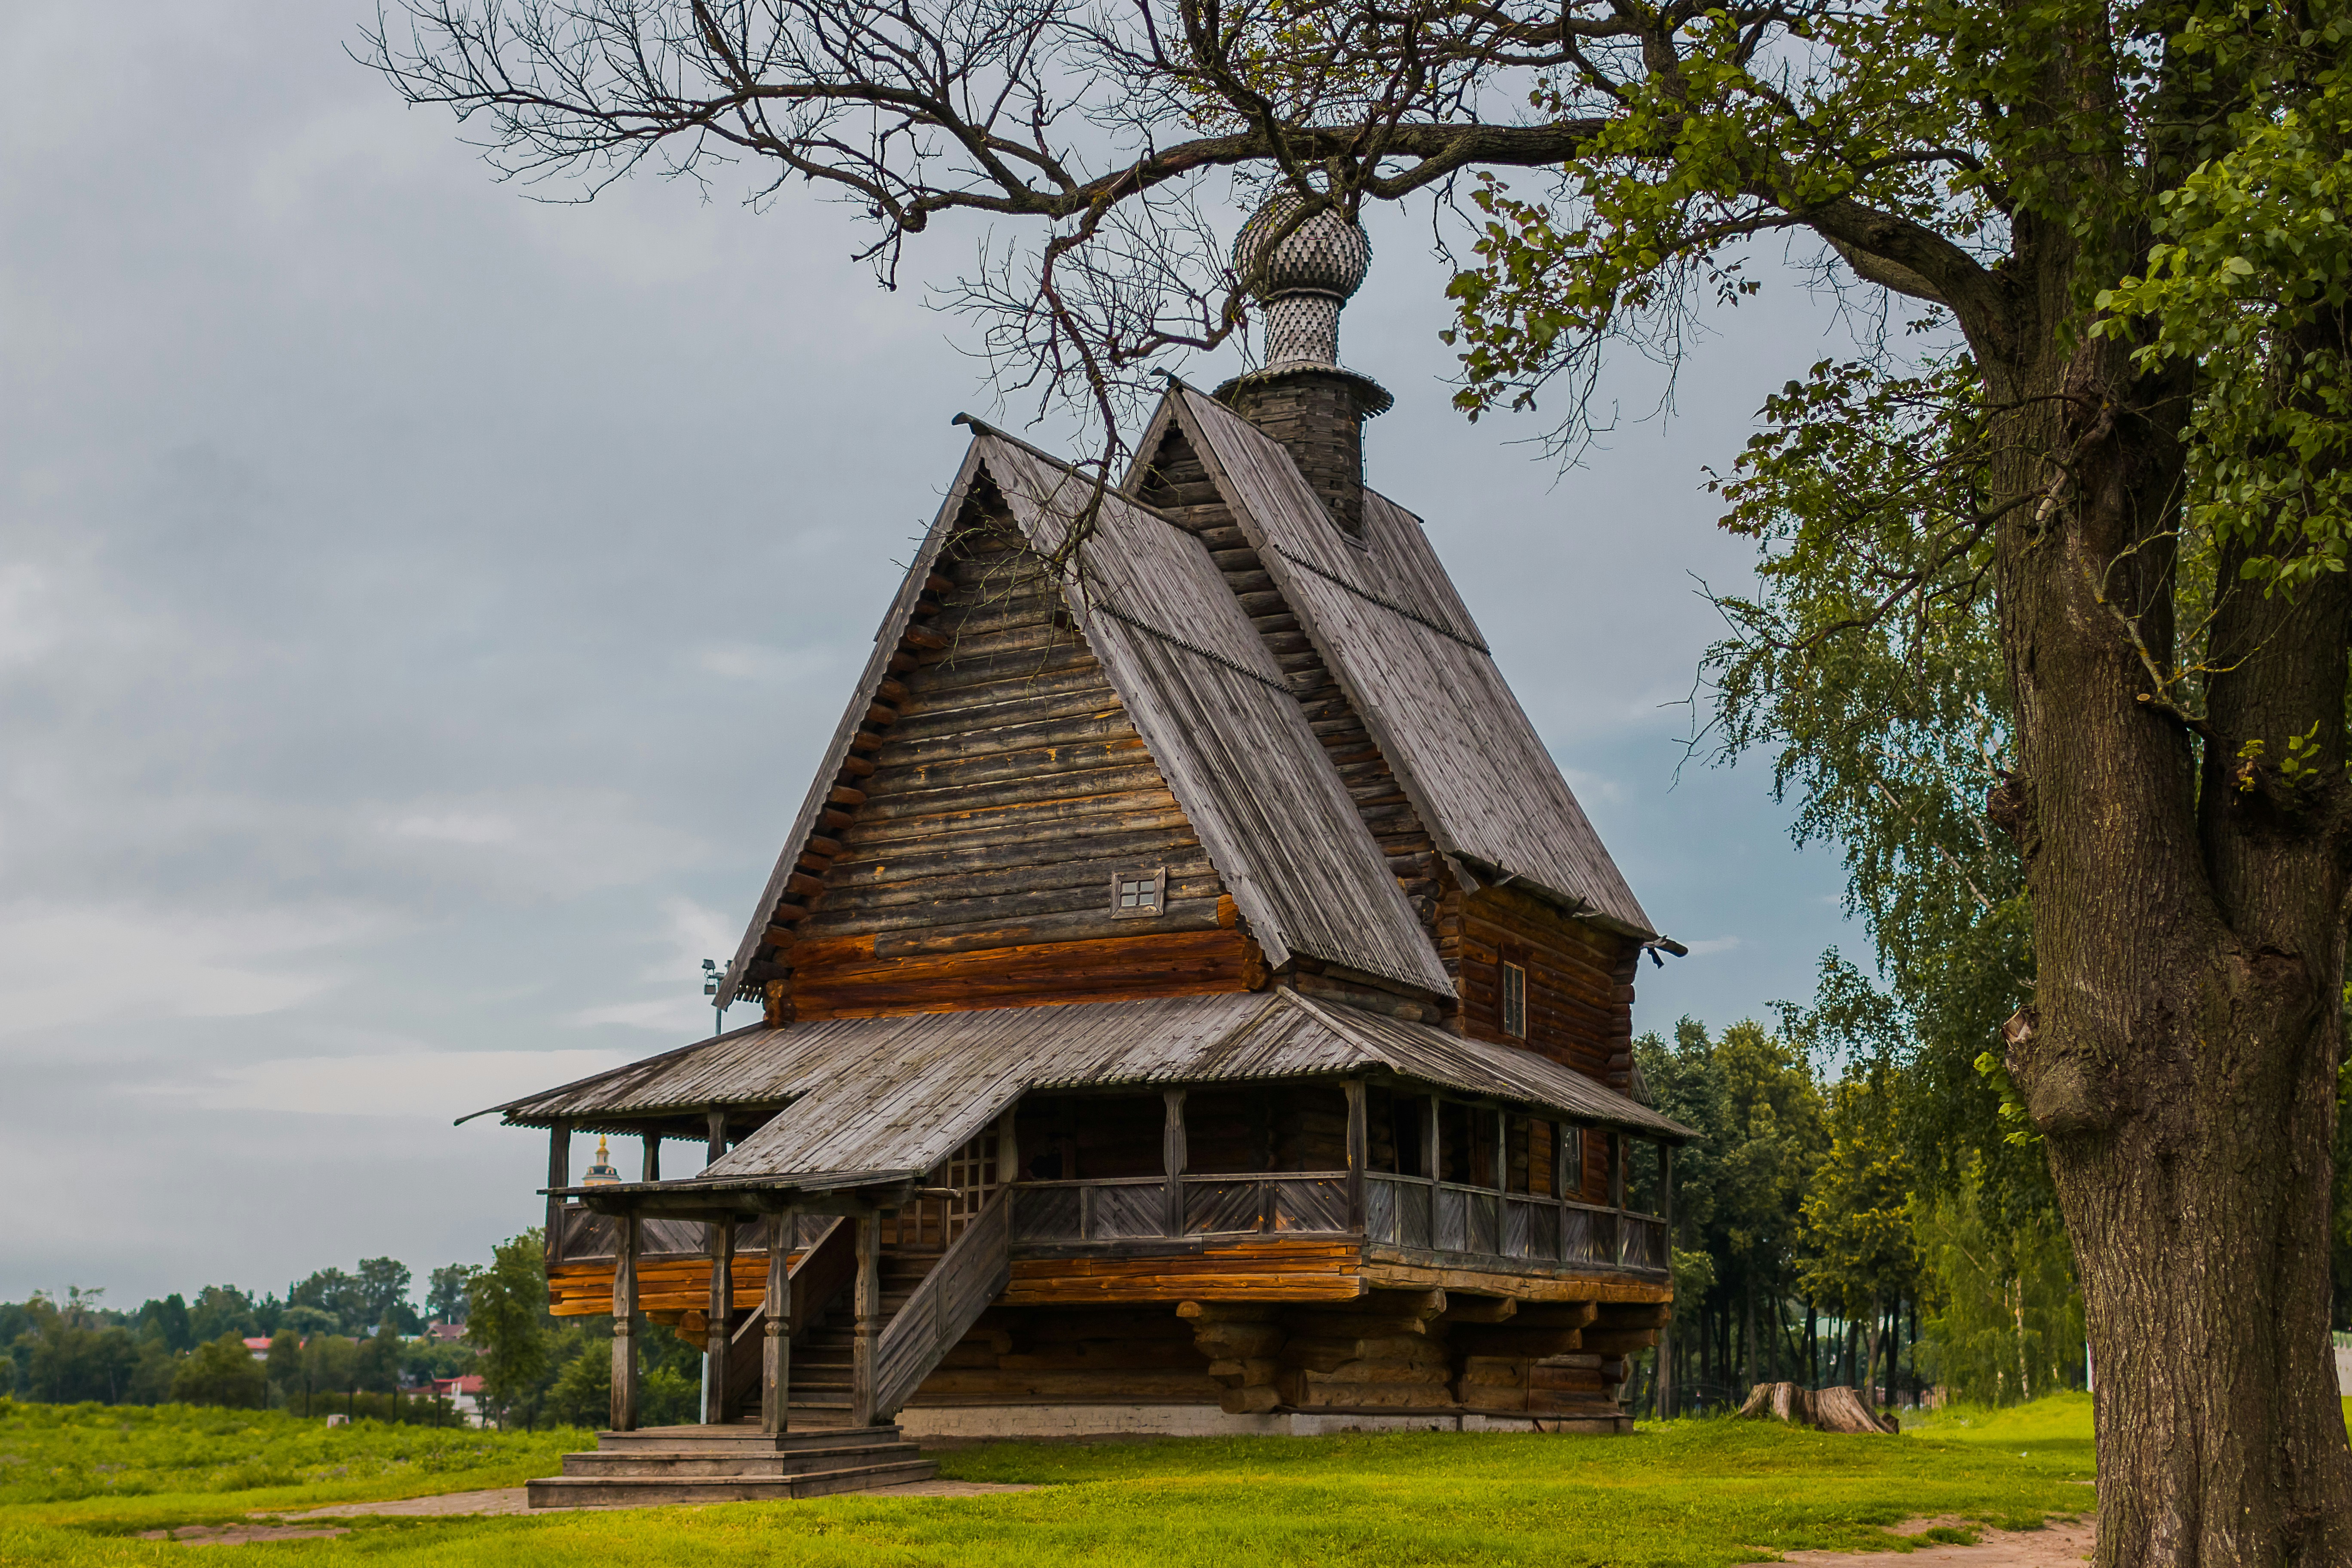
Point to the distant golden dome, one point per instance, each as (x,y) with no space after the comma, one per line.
(603,1173)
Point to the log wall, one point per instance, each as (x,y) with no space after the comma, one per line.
(999,786)
(1579,980)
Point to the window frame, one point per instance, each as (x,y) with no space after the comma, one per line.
(1511,1001)
(1157,877)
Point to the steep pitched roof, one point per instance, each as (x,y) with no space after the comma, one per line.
(1237,752)
(869,1098)
(1387,621)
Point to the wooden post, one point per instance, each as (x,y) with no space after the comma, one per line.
(776,1350)
(869,1319)
(1173,1156)
(1359,1155)
(1008,1147)
(718,1123)
(624,1323)
(1431,1165)
(1617,1189)
(1560,1187)
(652,1168)
(1666,1402)
(559,1175)
(721,1315)
(1502,1158)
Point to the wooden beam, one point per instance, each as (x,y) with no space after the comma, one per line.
(715,1118)
(1359,1153)
(559,1175)
(1430,1166)
(720,1318)
(776,1347)
(869,1320)
(1173,1157)
(625,1324)
(1667,1402)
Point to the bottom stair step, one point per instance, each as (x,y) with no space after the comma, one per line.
(579,1491)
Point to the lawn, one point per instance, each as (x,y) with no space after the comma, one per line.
(77,1483)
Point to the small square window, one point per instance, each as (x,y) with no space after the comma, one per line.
(1137,895)
(1515,1001)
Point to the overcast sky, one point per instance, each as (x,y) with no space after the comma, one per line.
(420,608)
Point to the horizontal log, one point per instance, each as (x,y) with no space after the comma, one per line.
(1325,1354)
(1125,778)
(1296,1391)
(1251,1401)
(1392,1273)
(1121,1384)
(1635,1315)
(1509,1342)
(845,914)
(1255,1372)
(871,884)
(1618,1342)
(1482,1396)
(1229,1339)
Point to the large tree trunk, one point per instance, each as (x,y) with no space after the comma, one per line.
(2179,1056)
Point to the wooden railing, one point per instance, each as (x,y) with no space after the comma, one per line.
(1410,1212)
(585,1236)
(969,1275)
(1136,1208)
(1428,1216)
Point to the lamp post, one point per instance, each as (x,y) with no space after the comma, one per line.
(710,989)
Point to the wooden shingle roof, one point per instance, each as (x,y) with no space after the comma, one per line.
(871,1099)
(1385,616)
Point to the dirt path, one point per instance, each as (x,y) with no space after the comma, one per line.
(2055,1546)
(513,1500)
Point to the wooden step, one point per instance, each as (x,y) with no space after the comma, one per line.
(730,1439)
(831,1455)
(576,1491)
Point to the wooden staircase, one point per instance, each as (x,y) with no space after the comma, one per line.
(825,1353)
(730,1463)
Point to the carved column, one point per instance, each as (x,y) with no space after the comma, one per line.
(1667,1329)
(1359,1153)
(559,1176)
(776,1349)
(721,1316)
(624,1323)
(1173,1157)
(869,1319)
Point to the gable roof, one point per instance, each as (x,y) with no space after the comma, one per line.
(1387,622)
(875,1098)
(1213,711)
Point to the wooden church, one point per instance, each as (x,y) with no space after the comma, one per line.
(1192,999)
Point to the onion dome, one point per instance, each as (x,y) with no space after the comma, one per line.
(1303,280)
(603,1173)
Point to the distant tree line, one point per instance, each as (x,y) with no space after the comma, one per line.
(1817,1241)
(334,1336)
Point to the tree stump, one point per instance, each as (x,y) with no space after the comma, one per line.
(1826,1409)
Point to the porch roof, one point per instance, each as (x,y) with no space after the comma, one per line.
(875,1099)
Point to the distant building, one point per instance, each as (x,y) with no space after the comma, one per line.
(442,1333)
(258,1346)
(464,1394)
(603,1173)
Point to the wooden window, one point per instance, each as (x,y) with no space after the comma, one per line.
(1137,895)
(1515,1001)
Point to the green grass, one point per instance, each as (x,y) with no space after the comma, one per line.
(75,1483)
